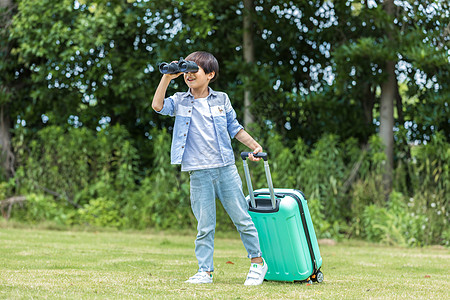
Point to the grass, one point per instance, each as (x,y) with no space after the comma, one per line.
(84,265)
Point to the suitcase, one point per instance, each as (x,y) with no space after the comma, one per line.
(286,232)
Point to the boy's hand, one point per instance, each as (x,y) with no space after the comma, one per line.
(246,139)
(173,76)
(160,93)
(257,150)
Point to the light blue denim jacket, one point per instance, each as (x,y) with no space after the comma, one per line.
(224,117)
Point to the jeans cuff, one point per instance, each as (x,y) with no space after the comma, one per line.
(206,269)
(259,254)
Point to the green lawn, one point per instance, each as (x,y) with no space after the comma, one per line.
(76,264)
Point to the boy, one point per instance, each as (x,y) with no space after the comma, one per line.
(204,122)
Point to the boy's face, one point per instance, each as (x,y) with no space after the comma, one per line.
(198,79)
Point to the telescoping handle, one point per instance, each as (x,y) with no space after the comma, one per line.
(262,155)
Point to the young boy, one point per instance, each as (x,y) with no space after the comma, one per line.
(204,122)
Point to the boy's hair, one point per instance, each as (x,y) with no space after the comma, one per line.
(206,61)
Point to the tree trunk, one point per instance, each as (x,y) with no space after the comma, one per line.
(6,205)
(368,102)
(388,97)
(249,56)
(5,3)
(7,156)
(389,91)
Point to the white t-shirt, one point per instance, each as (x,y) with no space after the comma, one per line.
(202,146)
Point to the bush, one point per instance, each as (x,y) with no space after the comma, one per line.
(79,176)
(101,212)
(39,208)
(89,172)
(394,224)
(163,198)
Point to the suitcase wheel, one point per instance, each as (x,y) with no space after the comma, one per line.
(319,277)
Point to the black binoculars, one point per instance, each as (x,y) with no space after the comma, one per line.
(182,65)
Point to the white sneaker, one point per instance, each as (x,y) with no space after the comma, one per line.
(256,274)
(200,277)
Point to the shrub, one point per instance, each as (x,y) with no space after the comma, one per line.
(394,223)
(39,208)
(162,200)
(79,176)
(101,212)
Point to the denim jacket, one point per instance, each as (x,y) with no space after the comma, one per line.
(224,117)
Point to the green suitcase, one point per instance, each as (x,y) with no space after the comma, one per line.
(286,232)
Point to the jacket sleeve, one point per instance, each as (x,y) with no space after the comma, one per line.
(169,106)
(233,125)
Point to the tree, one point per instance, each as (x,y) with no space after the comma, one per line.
(7,9)
(318,66)
(389,90)
(95,54)
(383,42)
(249,56)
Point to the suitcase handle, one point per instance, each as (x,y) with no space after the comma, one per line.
(263,155)
(277,195)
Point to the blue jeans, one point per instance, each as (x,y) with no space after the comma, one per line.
(225,184)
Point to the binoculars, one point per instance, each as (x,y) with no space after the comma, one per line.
(182,65)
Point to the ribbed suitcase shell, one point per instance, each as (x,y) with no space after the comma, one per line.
(284,238)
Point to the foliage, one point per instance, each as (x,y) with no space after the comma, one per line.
(394,224)
(416,38)
(101,212)
(92,179)
(430,176)
(81,169)
(418,212)
(76,79)
(87,63)
(64,163)
(42,208)
(97,175)
(163,198)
